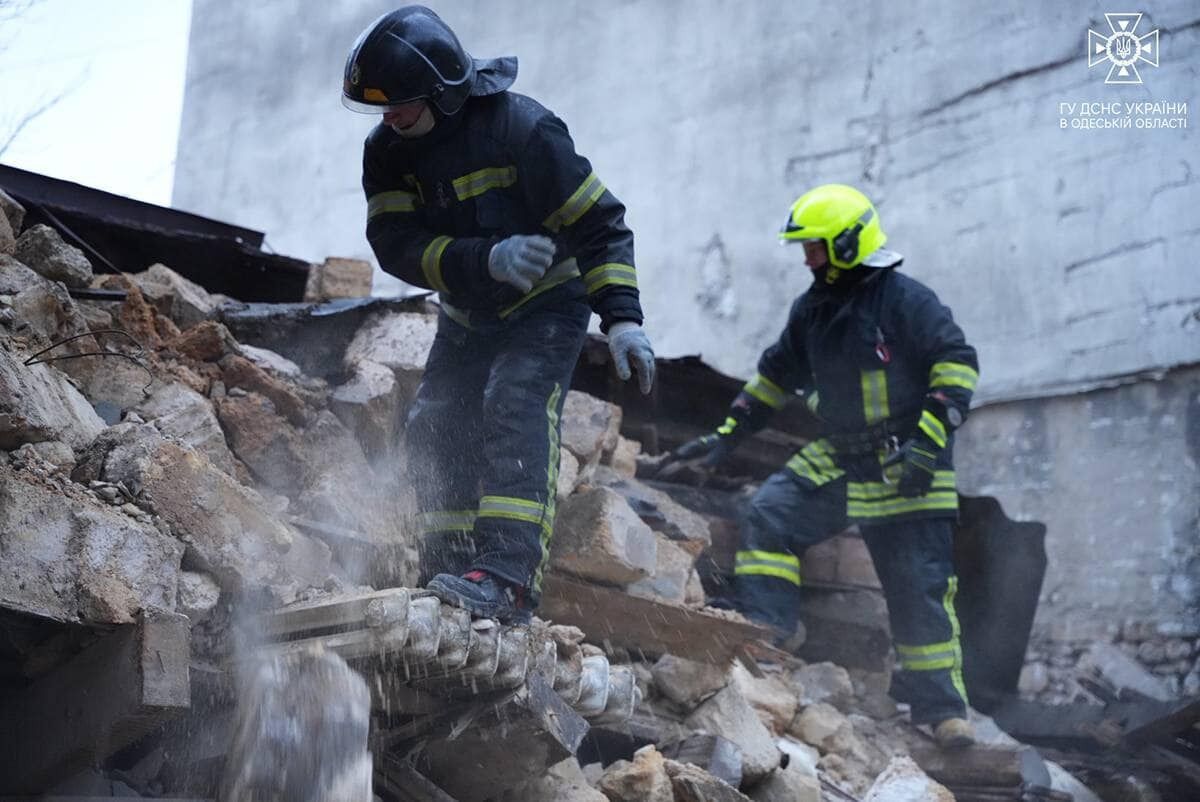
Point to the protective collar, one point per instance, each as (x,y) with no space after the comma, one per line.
(494,75)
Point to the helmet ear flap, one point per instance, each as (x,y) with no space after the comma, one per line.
(845,244)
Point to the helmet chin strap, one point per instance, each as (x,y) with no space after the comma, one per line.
(420,128)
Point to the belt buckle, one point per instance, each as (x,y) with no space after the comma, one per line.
(891,445)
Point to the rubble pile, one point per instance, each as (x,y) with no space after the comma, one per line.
(152,463)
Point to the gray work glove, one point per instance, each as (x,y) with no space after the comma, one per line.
(521,260)
(628,343)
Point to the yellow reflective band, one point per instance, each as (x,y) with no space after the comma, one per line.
(813,402)
(728,426)
(940,500)
(577,205)
(395,201)
(953,374)
(611,274)
(780,565)
(480,181)
(431,263)
(932,427)
(875,395)
(558,274)
(446,521)
(552,467)
(942,480)
(956,676)
(766,391)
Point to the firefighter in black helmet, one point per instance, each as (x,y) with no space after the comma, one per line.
(477,192)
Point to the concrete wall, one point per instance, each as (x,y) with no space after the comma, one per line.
(1066,254)
(1115,476)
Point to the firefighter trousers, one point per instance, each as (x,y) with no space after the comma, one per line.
(914,561)
(483,442)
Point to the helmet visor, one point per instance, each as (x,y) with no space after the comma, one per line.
(382,106)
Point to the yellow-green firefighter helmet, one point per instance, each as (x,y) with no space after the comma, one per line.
(842,217)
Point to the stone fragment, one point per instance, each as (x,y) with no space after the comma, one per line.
(370,405)
(568,474)
(623,458)
(12,210)
(70,557)
(50,314)
(183,301)
(590,427)
(824,726)
(338,278)
(241,372)
(15,277)
(770,696)
(269,360)
(687,682)
(822,682)
(198,595)
(205,342)
(1122,671)
(42,249)
(187,416)
(903,781)
(400,341)
(562,782)
(729,715)
(1035,678)
(665,515)
(38,403)
(57,453)
(642,780)
(693,784)
(672,570)
(598,537)
(787,785)
(8,241)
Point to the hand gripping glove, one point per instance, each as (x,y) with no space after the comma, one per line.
(629,344)
(521,260)
(917,461)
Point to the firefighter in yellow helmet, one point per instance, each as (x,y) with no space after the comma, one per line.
(889,373)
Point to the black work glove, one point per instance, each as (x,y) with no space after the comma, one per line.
(703,454)
(912,467)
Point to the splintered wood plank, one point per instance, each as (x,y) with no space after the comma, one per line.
(331,612)
(610,616)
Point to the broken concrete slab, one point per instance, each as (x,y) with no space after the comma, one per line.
(644,779)
(47,311)
(237,371)
(718,756)
(187,416)
(338,278)
(688,682)
(42,249)
(183,301)
(823,726)
(598,537)
(70,557)
(729,715)
(672,571)
(39,403)
(227,527)
(270,361)
(120,688)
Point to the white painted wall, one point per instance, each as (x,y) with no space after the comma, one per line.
(1068,255)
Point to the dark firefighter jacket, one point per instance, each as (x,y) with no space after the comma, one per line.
(884,360)
(503,165)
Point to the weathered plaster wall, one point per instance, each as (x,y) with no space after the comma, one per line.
(1115,476)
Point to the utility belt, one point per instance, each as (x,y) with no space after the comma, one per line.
(886,435)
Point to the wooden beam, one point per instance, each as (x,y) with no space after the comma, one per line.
(610,616)
(105,698)
(335,612)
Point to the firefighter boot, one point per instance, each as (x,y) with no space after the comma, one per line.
(954,733)
(483,596)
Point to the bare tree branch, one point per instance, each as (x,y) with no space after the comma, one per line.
(32,115)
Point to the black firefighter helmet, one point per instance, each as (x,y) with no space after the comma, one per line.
(411,54)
